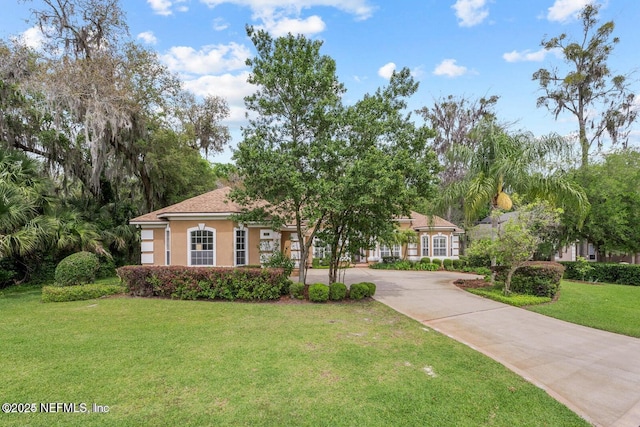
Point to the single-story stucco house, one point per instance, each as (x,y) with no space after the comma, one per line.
(200,231)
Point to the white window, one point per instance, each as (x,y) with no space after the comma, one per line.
(386,251)
(425,245)
(439,246)
(241,247)
(202,242)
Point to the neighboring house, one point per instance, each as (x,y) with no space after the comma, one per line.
(201,232)
(437,238)
(482,230)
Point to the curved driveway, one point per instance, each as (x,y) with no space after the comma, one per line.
(595,373)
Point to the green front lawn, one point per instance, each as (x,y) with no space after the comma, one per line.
(613,308)
(162,362)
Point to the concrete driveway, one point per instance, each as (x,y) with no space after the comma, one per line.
(594,373)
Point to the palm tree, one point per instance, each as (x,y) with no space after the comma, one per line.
(500,164)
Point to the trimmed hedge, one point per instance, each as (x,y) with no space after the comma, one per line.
(337,291)
(79,292)
(193,283)
(318,292)
(371,288)
(621,274)
(537,278)
(358,291)
(296,290)
(406,265)
(77,269)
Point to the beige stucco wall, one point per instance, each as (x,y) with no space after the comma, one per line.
(224,240)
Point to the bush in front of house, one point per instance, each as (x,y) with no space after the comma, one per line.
(79,292)
(458,264)
(318,292)
(425,260)
(77,269)
(437,262)
(358,291)
(371,288)
(204,282)
(537,278)
(426,267)
(296,290)
(337,291)
(621,274)
(447,264)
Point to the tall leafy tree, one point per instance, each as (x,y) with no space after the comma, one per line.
(601,101)
(337,173)
(99,98)
(283,158)
(613,189)
(385,166)
(453,120)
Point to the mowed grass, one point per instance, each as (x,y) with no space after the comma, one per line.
(613,308)
(159,362)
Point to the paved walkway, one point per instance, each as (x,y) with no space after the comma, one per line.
(594,373)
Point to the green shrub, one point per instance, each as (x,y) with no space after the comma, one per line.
(280,260)
(315,263)
(436,261)
(447,264)
(390,259)
(318,292)
(427,267)
(337,291)
(358,291)
(180,282)
(621,274)
(79,292)
(537,278)
(107,267)
(483,260)
(371,288)
(402,265)
(77,269)
(425,260)
(457,264)
(296,290)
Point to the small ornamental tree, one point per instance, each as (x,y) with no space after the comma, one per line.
(518,239)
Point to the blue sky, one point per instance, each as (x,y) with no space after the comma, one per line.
(469,48)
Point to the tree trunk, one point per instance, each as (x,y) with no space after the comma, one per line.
(507,282)
(494,261)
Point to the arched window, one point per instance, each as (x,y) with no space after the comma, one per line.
(439,246)
(425,245)
(202,243)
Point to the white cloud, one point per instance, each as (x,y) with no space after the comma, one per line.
(232,88)
(470,12)
(148,37)
(211,59)
(386,71)
(33,38)
(220,24)
(160,7)
(281,27)
(449,68)
(564,10)
(527,55)
(360,8)
(280,17)
(163,7)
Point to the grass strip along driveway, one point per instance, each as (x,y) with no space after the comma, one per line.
(612,308)
(163,362)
